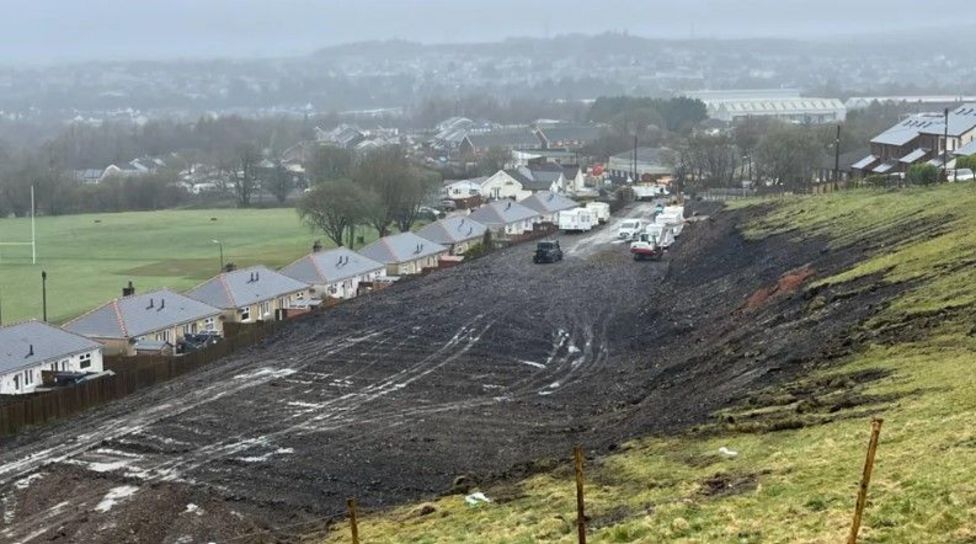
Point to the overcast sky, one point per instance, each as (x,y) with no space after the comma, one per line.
(57,30)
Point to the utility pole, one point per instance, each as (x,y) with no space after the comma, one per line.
(634,178)
(945,148)
(33,231)
(837,156)
(44,294)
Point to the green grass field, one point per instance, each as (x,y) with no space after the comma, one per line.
(796,485)
(89,258)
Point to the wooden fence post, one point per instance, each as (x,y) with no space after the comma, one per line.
(353,526)
(580,503)
(862,494)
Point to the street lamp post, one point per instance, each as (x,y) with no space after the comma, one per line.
(221,246)
(44,294)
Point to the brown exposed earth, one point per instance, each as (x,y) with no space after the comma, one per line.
(469,374)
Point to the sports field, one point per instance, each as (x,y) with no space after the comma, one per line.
(89,258)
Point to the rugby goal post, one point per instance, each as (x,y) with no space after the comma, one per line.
(33,241)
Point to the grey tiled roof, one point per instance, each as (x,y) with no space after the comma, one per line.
(452,230)
(502,212)
(330,266)
(546,202)
(245,287)
(401,248)
(49,343)
(137,315)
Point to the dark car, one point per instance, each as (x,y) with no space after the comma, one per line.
(547,252)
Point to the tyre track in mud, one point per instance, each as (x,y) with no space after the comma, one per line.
(433,358)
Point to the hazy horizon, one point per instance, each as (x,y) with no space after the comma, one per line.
(46,31)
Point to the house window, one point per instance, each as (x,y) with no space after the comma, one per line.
(265,309)
(162,336)
(246,314)
(17,382)
(85,360)
(209,323)
(300,295)
(28,377)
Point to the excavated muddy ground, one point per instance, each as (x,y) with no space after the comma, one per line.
(460,376)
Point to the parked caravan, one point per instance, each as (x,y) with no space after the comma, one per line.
(577,220)
(600,210)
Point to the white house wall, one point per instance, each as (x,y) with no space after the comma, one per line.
(69,364)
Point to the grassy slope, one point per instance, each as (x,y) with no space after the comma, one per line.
(88,262)
(792,485)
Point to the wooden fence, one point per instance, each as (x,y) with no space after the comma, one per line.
(130,375)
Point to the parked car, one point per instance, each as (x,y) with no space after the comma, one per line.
(547,251)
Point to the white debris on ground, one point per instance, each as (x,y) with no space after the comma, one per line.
(24,483)
(115,495)
(193,509)
(727,452)
(476,498)
(266,373)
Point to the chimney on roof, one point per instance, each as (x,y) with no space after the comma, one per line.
(129,290)
(257,276)
(317,246)
(31,352)
(509,205)
(151,305)
(162,303)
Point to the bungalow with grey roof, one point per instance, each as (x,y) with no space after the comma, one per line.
(458,233)
(548,205)
(506,217)
(405,253)
(152,322)
(251,294)
(29,348)
(336,273)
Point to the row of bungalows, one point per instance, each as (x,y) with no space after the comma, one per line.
(164,321)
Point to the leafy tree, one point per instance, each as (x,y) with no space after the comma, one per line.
(335,207)
(494,160)
(922,174)
(966,162)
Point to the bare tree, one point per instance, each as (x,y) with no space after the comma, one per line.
(335,208)
(245,175)
(400,188)
(278,182)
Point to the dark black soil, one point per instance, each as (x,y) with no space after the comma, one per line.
(439,383)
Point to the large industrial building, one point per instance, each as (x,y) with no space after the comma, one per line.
(784,104)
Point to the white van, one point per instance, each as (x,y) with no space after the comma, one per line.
(629,228)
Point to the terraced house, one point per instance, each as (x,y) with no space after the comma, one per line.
(405,253)
(29,348)
(337,273)
(154,322)
(252,294)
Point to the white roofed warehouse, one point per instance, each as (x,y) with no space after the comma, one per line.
(783,104)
